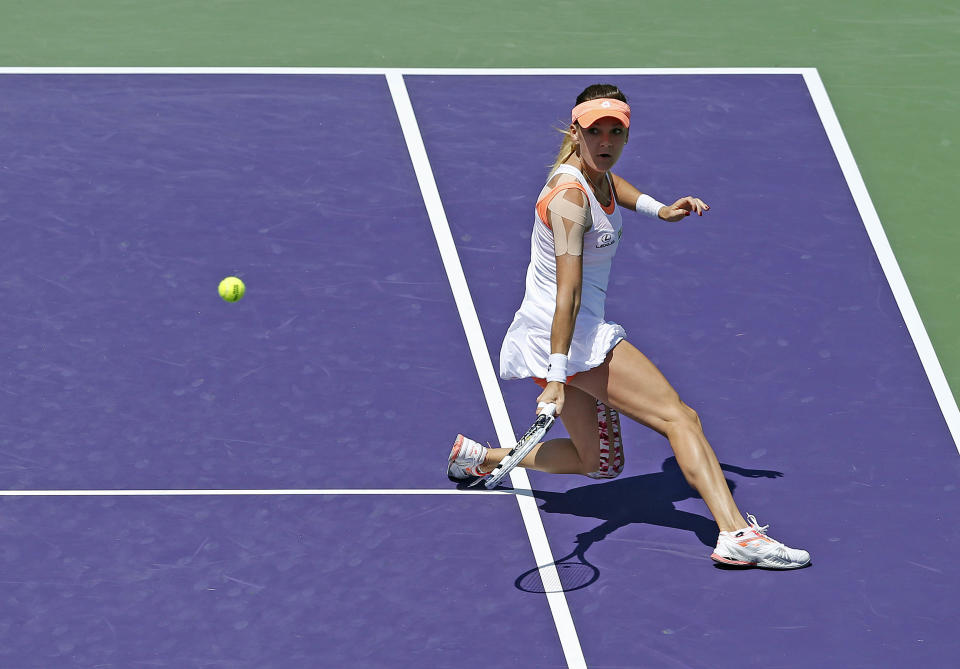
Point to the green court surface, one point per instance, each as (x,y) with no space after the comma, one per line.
(892,70)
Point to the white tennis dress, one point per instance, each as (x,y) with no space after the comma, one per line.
(526,347)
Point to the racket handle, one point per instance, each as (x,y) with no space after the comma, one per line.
(526,444)
(549,409)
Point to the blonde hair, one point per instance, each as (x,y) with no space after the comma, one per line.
(568,146)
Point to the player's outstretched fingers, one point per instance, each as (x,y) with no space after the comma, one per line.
(684,207)
(697,205)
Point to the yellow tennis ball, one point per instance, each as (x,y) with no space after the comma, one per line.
(232,289)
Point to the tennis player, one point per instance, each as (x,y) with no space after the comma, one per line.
(584,363)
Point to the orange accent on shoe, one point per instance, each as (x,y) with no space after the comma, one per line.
(457,445)
(725,560)
(756,536)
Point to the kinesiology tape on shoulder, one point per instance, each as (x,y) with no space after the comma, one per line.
(611,444)
(569,222)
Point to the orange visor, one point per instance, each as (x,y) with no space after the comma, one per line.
(591,111)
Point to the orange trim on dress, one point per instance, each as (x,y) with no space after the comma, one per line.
(613,198)
(543,382)
(544,202)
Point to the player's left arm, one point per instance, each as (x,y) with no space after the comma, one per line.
(629,196)
(627,193)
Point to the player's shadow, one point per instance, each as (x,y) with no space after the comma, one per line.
(645,498)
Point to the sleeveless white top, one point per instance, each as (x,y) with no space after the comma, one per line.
(526,347)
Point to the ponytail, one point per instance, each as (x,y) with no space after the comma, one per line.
(567,147)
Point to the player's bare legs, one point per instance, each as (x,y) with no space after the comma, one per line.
(579,455)
(630,383)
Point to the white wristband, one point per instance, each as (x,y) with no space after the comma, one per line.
(557,369)
(647,205)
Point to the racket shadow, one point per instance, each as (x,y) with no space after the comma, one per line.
(571,572)
(645,498)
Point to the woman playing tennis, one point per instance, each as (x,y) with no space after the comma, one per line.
(584,364)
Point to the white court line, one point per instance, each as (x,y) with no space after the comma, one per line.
(294,491)
(569,639)
(891,269)
(396,71)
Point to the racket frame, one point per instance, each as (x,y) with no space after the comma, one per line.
(532,437)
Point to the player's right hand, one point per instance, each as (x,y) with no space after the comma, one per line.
(552,394)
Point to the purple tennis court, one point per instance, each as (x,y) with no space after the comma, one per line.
(316,414)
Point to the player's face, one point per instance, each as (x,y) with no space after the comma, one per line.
(602,143)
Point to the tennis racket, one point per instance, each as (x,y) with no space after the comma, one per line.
(531,438)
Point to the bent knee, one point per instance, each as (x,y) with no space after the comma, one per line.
(680,414)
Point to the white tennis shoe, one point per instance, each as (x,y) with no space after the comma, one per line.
(751,547)
(465,460)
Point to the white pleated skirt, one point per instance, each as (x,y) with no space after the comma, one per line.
(525,351)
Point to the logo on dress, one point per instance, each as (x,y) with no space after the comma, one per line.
(606,239)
